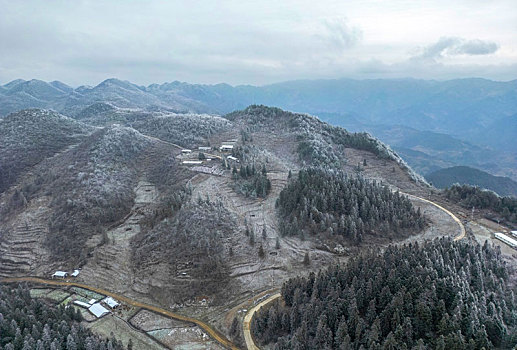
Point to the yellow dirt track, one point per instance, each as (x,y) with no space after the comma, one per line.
(462,234)
(209,330)
(250,344)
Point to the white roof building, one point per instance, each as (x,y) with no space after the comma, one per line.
(82,304)
(186,151)
(192,162)
(92,301)
(226,147)
(514,233)
(233,158)
(75,273)
(203,148)
(61,274)
(98,310)
(506,239)
(112,303)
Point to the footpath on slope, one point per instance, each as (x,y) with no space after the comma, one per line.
(209,330)
(250,344)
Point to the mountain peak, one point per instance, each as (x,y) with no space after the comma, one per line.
(14,83)
(117,82)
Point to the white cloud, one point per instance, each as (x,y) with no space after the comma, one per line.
(254,42)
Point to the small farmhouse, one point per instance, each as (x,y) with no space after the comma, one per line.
(98,310)
(60,274)
(226,148)
(112,303)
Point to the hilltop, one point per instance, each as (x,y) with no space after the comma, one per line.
(477,114)
(29,136)
(442,178)
(74,195)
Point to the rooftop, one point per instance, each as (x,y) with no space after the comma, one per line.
(112,303)
(98,310)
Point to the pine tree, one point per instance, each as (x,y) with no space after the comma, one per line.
(261,252)
(252,237)
(306,259)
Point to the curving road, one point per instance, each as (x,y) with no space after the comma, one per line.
(250,344)
(462,234)
(209,330)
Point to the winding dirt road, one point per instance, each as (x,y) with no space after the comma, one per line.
(462,234)
(209,330)
(250,344)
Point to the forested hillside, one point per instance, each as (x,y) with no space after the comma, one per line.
(442,178)
(96,191)
(193,241)
(438,295)
(186,130)
(477,198)
(27,323)
(27,137)
(333,205)
(316,138)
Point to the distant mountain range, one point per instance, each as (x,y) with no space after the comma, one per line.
(465,175)
(433,124)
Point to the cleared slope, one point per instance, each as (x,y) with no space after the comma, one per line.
(69,200)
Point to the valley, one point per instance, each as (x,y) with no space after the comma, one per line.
(264,175)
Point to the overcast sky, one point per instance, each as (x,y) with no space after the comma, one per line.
(256,42)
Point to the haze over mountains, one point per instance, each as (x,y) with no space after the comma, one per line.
(465,175)
(432,124)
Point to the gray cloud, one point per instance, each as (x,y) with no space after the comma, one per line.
(477,47)
(341,34)
(450,46)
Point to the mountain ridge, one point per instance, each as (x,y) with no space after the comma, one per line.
(472,110)
(442,178)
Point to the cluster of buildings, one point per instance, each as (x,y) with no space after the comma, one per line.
(99,308)
(226,147)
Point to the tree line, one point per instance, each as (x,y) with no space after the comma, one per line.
(250,182)
(436,295)
(27,323)
(475,197)
(332,204)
